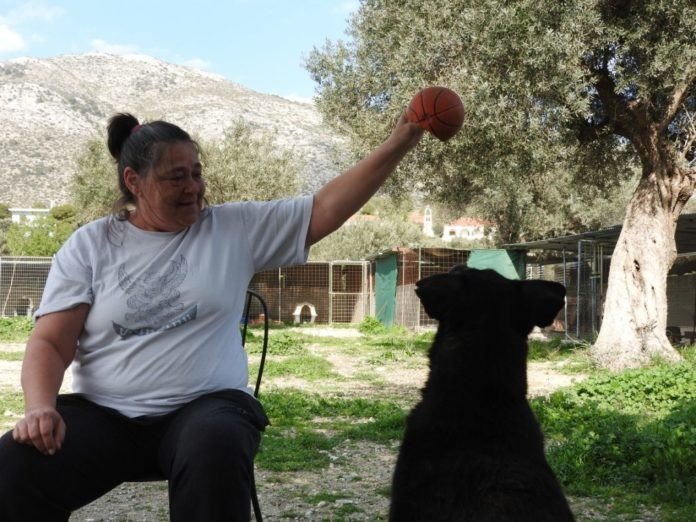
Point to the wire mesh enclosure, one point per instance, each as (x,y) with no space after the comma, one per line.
(22,280)
(345,292)
(322,293)
(337,292)
(415,264)
(584,274)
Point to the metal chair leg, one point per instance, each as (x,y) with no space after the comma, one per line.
(255,499)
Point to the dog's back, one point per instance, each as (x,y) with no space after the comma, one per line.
(473,449)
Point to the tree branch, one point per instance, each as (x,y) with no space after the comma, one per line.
(678,95)
(691,134)
(618,113)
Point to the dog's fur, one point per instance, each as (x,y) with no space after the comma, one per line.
(473,450)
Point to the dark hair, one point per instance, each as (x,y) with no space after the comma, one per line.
(139,147)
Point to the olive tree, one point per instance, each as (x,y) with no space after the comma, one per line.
(566,102)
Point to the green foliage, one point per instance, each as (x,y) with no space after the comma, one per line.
(542,151)
(5,223)
(15,329)
(41,237)
(629,434)
(241,166)
(247,166)
(64,213)
(386,207)
(371,325)
(359,240)
(94,186)
(5,211)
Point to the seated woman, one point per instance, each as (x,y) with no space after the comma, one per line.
(142,304)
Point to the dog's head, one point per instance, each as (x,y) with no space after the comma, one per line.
(467,296)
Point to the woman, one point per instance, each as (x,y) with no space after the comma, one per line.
(142,303)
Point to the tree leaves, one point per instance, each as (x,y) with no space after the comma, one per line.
(537,132)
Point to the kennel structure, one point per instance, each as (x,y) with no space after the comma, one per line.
(318,293)
(345,292)
(395,274)
(581,262)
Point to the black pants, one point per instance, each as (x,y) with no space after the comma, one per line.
(205,450)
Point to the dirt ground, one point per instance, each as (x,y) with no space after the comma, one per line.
(358,478)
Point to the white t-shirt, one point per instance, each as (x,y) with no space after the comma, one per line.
(163,326)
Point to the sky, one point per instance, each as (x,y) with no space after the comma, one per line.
(260,44)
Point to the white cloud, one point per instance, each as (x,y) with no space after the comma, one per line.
(34,11)
(10,40)
(102,46)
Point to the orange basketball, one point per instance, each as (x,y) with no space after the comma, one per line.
(438,110)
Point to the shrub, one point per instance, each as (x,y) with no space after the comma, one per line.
(632,432)
(371,325)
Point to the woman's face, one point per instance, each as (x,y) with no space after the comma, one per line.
(170,197)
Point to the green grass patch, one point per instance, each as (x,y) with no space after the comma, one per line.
(294,450)
(17,355)
(574,356)
(551,350)
(15,329)
(305,428)
(11,408)
(279,343)
(630,436)
(307,367)
(325,496)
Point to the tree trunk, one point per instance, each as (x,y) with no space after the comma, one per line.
(633,331)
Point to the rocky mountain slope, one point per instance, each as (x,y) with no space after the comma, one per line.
(49,108)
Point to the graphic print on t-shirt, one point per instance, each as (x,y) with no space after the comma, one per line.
(154,298)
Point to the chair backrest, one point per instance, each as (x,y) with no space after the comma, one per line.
(252,297)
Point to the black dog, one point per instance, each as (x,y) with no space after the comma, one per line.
(473,450)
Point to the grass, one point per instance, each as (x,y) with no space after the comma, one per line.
(307,427)
(15,329)
(624,444)
(628,438)
(627,441)
(16,355)
(11,408)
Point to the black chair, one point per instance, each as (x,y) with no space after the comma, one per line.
(251,298)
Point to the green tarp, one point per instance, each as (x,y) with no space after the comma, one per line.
(508,263)
(385,289)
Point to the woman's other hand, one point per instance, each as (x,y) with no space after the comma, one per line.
(41,427)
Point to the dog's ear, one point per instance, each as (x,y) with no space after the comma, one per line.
(543,300)
(434,292)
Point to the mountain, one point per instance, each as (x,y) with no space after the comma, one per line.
(50,107)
